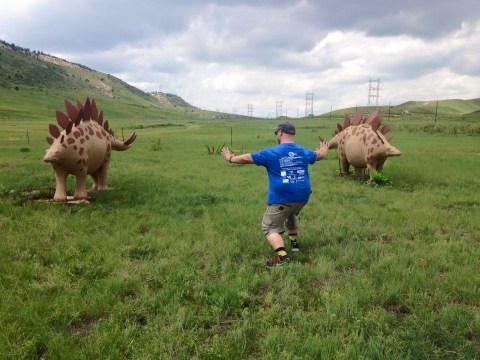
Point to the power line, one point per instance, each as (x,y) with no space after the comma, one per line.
(309,104)
(278,108)
(250,110)
(373,92)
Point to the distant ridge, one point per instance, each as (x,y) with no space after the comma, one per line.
(166,98)
(451,107)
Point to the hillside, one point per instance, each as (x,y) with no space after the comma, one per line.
(32,84)
(445,107)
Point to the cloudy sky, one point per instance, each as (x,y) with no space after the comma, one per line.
(224,55)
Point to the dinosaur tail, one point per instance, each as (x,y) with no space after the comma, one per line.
(120,146)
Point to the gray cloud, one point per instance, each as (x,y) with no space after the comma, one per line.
(261,51)
(416,18)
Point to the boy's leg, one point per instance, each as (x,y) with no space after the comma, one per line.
(273,226)
(292,223)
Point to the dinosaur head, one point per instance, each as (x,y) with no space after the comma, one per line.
(393,151)
(53,155)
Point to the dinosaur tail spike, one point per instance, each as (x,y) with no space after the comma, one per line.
(121,146)
(79,105)
(49,140)
(100,118)
(94,111)
(339,127)
(389,139)
(71,110)
(358,117)
(131,139)
(54,130)
(105,125)
(62,119)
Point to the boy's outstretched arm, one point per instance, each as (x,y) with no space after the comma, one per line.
(237,159)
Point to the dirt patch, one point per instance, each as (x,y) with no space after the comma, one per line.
(57,61)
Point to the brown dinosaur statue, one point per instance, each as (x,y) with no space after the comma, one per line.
(362,145)
(83,147)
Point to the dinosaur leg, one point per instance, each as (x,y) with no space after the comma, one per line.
(345,166)
(103,177)
(95,180)
(81,187)
(380,165)
(358,172)
(61,185)
(372,169)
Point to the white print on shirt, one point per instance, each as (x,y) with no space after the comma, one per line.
(291,171)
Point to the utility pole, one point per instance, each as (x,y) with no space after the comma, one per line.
(250,110)
(373,92)
(436,111)
(278,108)
(309,104)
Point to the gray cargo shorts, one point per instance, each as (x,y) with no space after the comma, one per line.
(279,216)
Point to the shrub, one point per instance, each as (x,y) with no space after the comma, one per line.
(157,144)
(212,150)
(381,178)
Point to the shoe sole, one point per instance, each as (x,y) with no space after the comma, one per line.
(274,266)
(277,265)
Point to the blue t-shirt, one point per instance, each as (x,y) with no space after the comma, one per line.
(287,168)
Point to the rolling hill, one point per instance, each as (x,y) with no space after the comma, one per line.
(34,85)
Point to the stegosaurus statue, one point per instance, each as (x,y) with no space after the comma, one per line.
(83,147)
(361,144)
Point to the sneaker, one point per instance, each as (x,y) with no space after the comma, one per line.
(294,246)
(278,261)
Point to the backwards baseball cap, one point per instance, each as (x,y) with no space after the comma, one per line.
(286,127)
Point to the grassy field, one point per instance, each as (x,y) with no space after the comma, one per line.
(169,264)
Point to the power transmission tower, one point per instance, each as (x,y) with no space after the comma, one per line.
(309,104)
(373,92)
(278,109)
(250,110)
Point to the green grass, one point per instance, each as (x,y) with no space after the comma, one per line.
(170,263)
